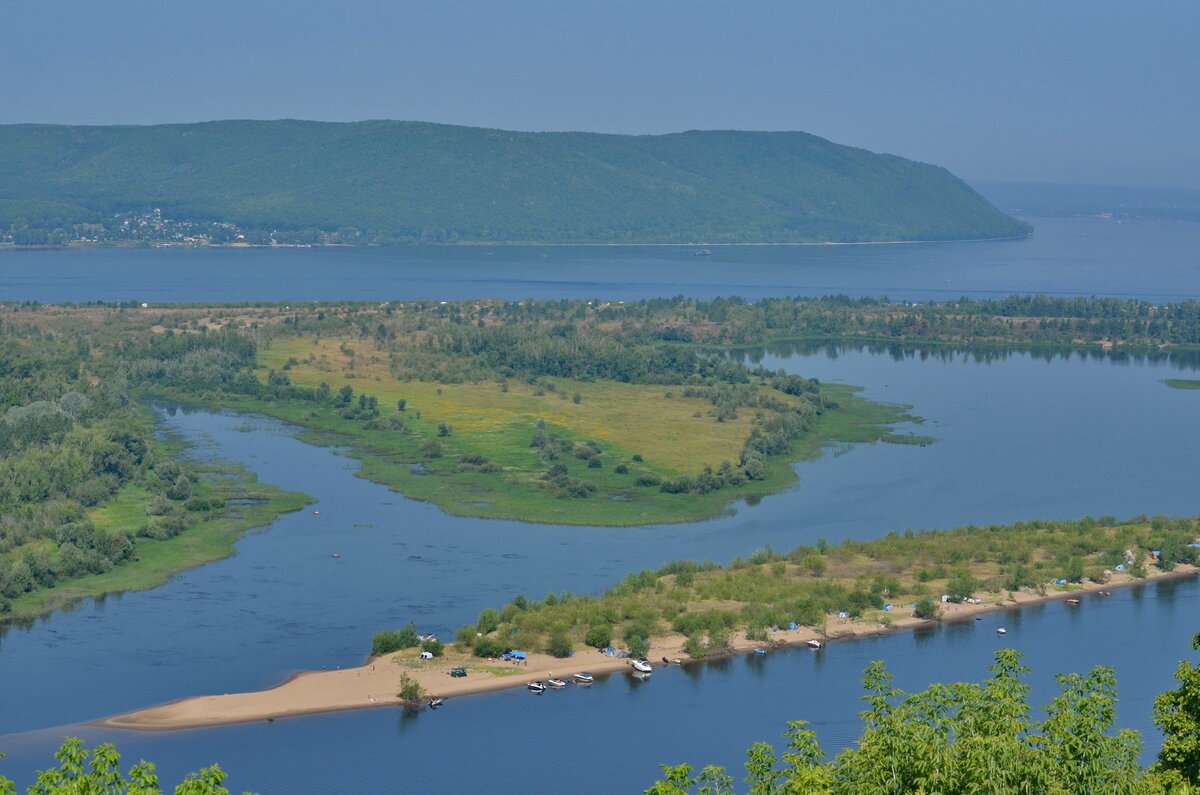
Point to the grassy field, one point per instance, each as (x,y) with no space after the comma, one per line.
(1182,383)
(253,505)
(672,436)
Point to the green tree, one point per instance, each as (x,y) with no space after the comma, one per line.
(1177,714)
(100,774)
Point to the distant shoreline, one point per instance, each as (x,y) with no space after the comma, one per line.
(373,683)
(504,244)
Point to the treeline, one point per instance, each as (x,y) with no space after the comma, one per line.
(72,438)
(811,582)
(968,737)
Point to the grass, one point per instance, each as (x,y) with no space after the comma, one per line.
(155,561)
(673,436)
(1182,383)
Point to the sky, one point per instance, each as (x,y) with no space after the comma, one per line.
(1093,92)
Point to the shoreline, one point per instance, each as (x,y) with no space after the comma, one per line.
(494,244)
(373,683)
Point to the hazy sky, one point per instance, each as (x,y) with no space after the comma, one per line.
(1043,90)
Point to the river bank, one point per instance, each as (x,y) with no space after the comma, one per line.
(374,683)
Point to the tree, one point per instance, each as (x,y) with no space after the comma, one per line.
(1177,714)
(410,689)
(434,647)
(77,774)
(961,737)
(927,609)
(489,619)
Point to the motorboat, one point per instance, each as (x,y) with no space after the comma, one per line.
(536,687)
(760,651)
(556,683)
(1001,631)
(1073,601)
(814,644)
(436,702)
(643,666)
(584,678)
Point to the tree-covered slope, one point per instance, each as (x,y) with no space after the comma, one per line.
(417,181)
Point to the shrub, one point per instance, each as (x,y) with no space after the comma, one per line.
(646,480)
(594,463)
(434,647)
(486,647)
(560,645)
(389,641)
(431,449)
(621,469)
(927,609)
(638,646)
(599,636)
(410,689)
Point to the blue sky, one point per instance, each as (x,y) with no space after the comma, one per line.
(1041,90)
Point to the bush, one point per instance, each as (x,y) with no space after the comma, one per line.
(389,641)
(434,647)
(621,469)
(646,480)
(486,647)
(928,610)
(638,646)
(594,463)
(410,689)
(431,449)
(560,645)
(599,636)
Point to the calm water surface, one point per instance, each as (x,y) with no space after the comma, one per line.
(1155,260)
(1019,437)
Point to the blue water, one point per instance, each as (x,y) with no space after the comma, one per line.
(1006,452)
(1155,260)
(1019,437)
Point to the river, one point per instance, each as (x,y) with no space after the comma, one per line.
(1020,436)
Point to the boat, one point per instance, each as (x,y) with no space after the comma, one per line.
(1072,601)
(1000,631)
(556,683)
(316,513)
(436,702)
(642,665)
(760,651)
(672,661)
(536,687)
(336,555)
(702,252)
(584,678)
(813,644)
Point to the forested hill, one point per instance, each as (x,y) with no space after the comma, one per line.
(389,181)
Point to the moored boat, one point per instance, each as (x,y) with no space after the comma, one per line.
(760,651)
(813,644)
(584,678)
(1072,601)
(436,702)
(642,665)
(556,683)
(536,687)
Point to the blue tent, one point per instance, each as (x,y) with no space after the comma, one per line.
(520,655)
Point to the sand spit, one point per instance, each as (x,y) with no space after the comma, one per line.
(375,683)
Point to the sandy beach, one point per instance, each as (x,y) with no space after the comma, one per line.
(375,683)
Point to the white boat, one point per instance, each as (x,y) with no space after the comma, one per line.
(536,687)
(813,644)
(1000,631)
(436,702)
(556,683)
(642,665)
(584,678)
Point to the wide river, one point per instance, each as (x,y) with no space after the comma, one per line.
(1019,437)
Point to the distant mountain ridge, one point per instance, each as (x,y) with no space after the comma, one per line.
(397,181)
